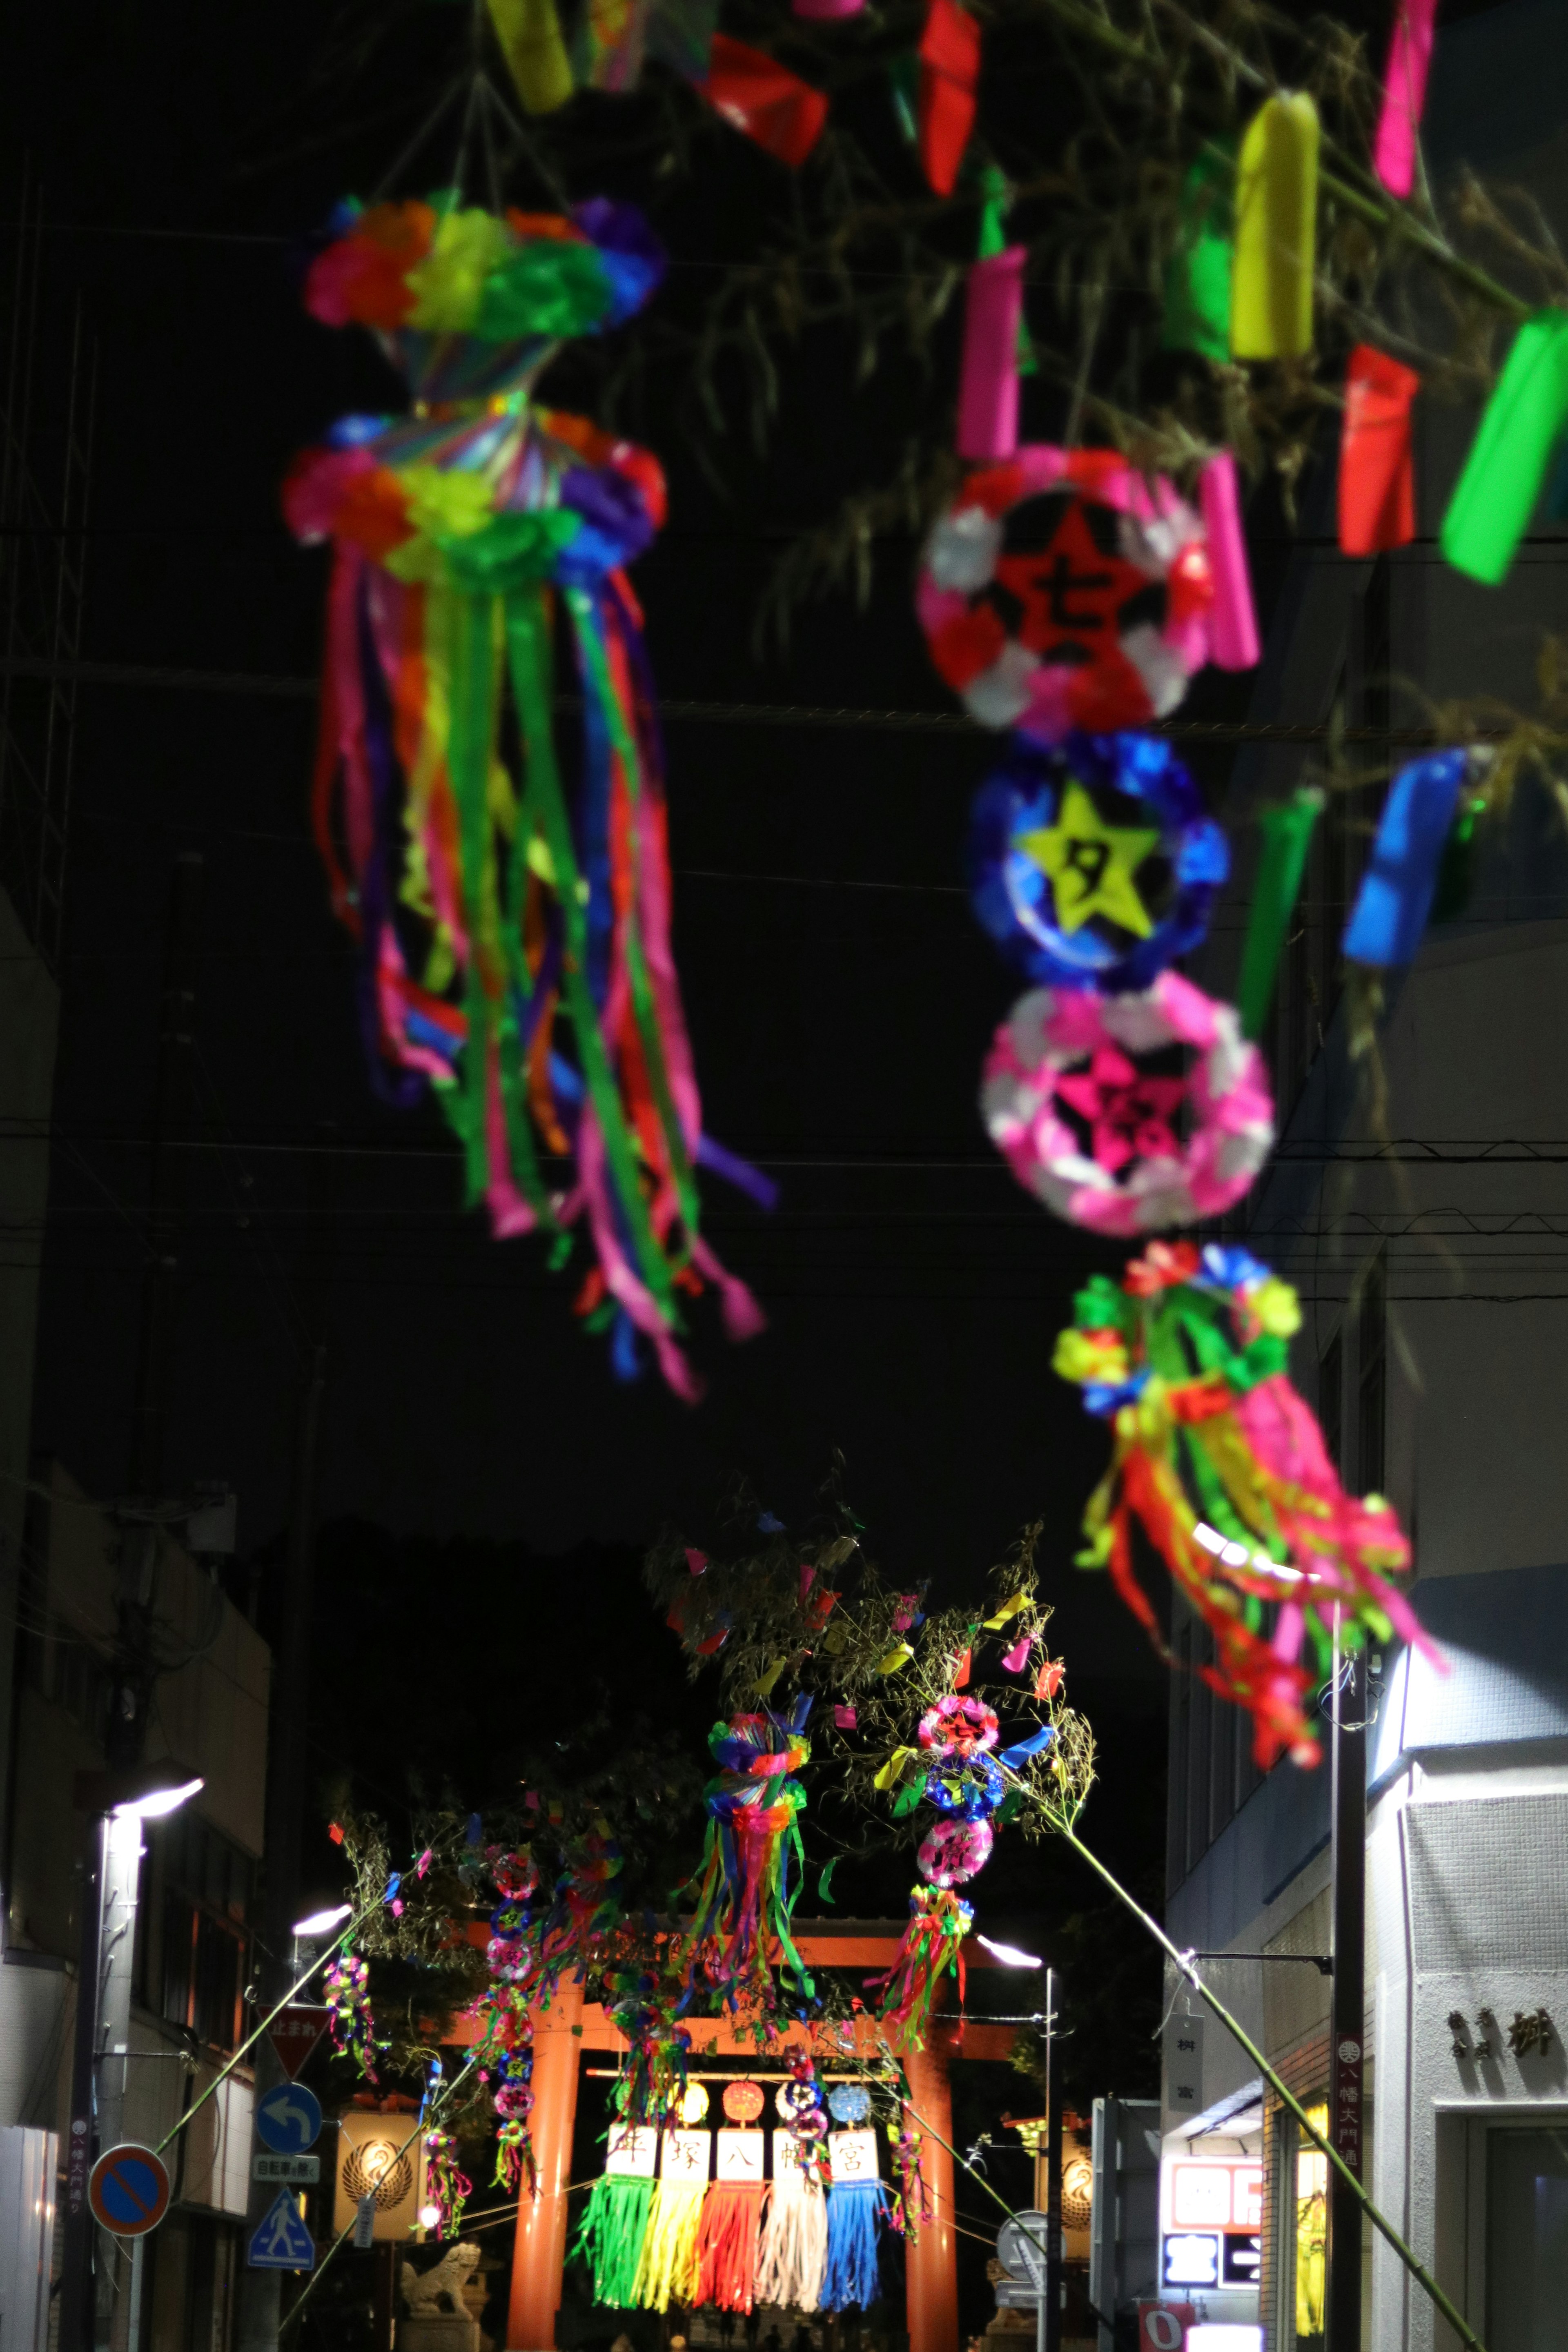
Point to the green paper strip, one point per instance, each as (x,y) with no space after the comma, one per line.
(824,1883)
(993,240)
(1287,837)
(1496,495)
(1197,275)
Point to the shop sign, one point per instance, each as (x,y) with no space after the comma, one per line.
(1190,2258)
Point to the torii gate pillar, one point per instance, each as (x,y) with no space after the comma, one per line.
(931,2273)
(539,2255)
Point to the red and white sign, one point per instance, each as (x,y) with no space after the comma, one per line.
(295,2034)
(1162,2327)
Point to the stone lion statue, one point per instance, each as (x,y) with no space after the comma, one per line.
(429,2292)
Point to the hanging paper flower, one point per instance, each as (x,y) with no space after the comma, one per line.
(952,1852)
(931,1946)
(1094,866)
(513,929)
(1063,590)
(745,1896)
(956,1727)
(1222,1465)
(1107,1144)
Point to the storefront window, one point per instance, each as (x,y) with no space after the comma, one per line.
(1527,2237)
(1301,2202)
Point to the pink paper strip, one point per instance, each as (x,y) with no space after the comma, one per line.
(988,392)
(822,10)
(1404,95)
(1233,623)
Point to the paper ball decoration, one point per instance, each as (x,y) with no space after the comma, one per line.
(1121,1150)
(1060,590)
(971,1787)
(742,2102)
(1094,866)
(849,2103)
(693,2103)
(957,1726)
(953,1851)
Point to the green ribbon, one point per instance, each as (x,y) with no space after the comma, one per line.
(1287,837)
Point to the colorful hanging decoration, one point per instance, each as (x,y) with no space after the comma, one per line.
(849,2103)
(970,1785)
(763,99)
(856,2212)
(1276,232)
(743,2101)
(1395,895)
(1287,829)
(1094,866)
(729,2241)
(1404,94)
(1520,430)
(793,2253)
(744,1897)
(610,2236)
(513,932)
(668,2261)
(956,1727)
(1198,272)
(953,1851)
(988,387)
(446,2186)
(930,1947)
(1234,641)
(1067,590)
(1377,474)
(1121,1149)
(949,58)
(345,1991)
(1222,1465)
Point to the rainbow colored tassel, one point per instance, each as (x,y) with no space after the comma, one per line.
(933,1943)
(513,929)
(1224,1466)
(744,1897)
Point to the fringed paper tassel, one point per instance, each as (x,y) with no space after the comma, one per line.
(794,2255)
(744,1897)
(517,2167)
(610,2238)
(856,2212)
(446,2186)
(726,2244)
(933,1943)
(1404,94)
(666,2264)
(1519,428)
(345,1993)
(1222,1465)
(1276,232)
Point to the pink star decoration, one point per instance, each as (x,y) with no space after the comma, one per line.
(1129,1116)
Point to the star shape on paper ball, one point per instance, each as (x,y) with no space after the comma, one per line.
(1062,582)
(1090,865)
(1128,1115)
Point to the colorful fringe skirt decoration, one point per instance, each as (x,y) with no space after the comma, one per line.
(855,2211)
(668,2263)
(794,2255)
(726,2244)
(610,2239)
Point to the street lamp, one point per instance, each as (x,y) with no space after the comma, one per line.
(116,1803)
(1009,1955)
(320,1921)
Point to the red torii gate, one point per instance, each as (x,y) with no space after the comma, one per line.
(571,2026)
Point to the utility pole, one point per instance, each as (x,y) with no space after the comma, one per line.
(260,2297)
(1051,2333)
(1348,1718)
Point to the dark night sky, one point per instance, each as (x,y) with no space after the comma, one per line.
(837,1020)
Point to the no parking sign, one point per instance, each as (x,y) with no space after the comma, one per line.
(128,2190)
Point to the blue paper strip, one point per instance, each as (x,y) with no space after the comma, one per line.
(1396,895)
(1022,1749)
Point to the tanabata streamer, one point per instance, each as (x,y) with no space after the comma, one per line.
(1197,273)
(930,1947)
(949,79)
(1222,1465)
(513,930)
(1115,1148)
(1286,832)
(1377,473)
(1395,893)
(855,2211)
(1065,590)
(1496,494)
(793,2253)
(728,2242)
(1094,866)
(1276,232)
(345,1991)
(988,388)
(610,2237)
(763,99)
(667,2262)
(1404,94)
(745,1896)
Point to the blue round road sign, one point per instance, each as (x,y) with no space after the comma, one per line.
(128,2190)
(288,2119)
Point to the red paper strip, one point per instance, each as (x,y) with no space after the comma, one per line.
(765,99)
(1377,481)
(950,76)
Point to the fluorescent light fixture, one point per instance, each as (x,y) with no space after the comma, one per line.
(1009,1955)
(155,1802)
(320,1921)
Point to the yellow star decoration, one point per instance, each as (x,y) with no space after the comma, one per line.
(1090,865)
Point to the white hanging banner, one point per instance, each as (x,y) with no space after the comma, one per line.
(686,2155)
(740,2156)
(853,2155)
(632,2151)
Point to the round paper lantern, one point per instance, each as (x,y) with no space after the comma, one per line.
(1094,865)
(742,2102)
(693,2103)
(1062,589)
(849,2103)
